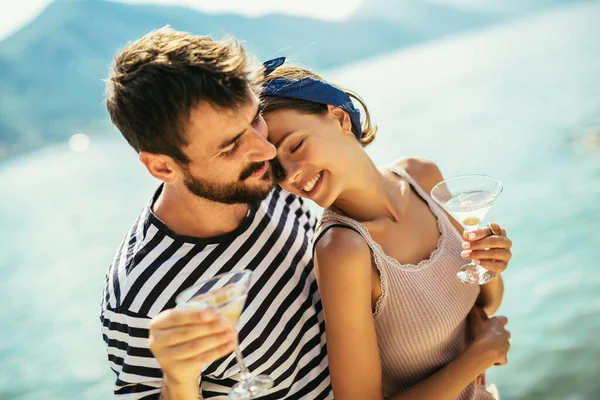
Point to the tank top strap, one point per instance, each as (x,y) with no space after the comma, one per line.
(330,219)
(445,225)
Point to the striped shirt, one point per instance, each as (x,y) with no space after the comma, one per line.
(281,330)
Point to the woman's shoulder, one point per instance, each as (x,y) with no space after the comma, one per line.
(425,172)
(342,260)
(339,243)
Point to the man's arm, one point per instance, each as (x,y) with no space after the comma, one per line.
(125,334)
(164,354)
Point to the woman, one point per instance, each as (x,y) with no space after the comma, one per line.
(385,254)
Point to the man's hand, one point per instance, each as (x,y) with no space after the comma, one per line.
(480,326)
(183,340)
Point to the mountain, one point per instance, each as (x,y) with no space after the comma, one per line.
(424,17)
(51,71)
(432,16)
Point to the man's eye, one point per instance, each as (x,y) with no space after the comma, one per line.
(258,118)
(236,145)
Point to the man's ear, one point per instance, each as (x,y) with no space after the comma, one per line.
(160,166)
(342,117)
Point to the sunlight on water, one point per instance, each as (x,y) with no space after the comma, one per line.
(79,142)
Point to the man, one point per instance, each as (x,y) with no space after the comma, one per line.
(187,105)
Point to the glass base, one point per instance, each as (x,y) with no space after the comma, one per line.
(474,274)
(251,388)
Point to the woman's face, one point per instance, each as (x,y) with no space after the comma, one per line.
(314,150)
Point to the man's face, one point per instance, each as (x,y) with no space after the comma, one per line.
(231,159)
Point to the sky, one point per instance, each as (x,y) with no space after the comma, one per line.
(16,13)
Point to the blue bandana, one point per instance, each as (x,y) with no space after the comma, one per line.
(310,89)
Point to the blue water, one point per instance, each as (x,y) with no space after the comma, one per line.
(518,102)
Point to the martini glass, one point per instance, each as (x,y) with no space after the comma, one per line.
(468,198)
(226,294)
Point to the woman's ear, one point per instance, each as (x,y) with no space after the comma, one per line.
(342,117)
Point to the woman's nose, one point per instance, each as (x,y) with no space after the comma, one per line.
(292,172)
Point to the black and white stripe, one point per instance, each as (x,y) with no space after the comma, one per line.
(281,330)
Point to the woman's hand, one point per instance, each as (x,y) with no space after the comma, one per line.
(489,249)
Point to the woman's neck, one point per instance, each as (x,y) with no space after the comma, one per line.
(369,194)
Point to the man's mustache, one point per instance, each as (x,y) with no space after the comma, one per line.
(276,168)
(278,171)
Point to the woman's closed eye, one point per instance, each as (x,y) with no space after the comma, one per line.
(296,146)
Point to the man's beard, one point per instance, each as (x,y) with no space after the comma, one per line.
(239,192)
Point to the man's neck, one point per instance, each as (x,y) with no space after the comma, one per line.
(189,215)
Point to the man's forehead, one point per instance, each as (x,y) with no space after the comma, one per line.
(212,123)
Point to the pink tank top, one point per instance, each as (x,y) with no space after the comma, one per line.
(420,317)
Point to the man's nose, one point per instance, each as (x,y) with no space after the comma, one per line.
(261,148)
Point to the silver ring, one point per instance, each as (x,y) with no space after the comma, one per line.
(492,231)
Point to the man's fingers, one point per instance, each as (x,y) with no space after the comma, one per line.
(501,319)
(197,347)
(215,354)
(207,357)
(181,316)
(181,334)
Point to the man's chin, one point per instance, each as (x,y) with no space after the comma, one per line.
(265,183)
(253,194)
(250,191)
(264,190)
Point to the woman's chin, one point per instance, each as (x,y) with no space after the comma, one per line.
(324,200)
(324,204)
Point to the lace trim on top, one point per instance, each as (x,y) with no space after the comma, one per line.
(329,216)
(379,254)
(443,224)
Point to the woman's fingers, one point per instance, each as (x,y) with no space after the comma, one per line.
(489,242)
(482,232)
(493,266)
(490,254)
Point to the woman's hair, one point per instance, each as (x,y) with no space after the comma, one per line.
(274,103)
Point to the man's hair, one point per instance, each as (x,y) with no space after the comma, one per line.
(156,81)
